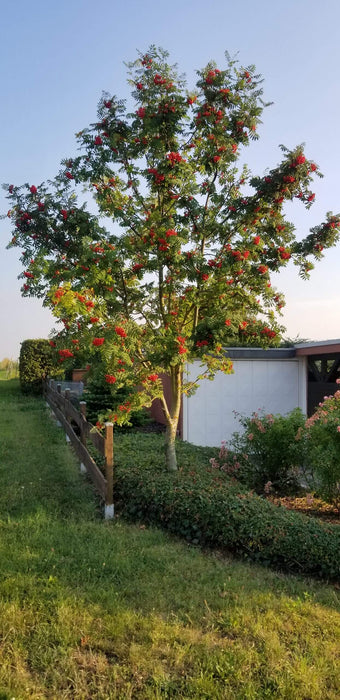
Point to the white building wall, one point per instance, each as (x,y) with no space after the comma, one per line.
(276,386)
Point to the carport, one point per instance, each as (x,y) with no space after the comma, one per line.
(323,369)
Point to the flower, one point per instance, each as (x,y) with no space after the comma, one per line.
(121,332)
(158,80)
(227,322)
(65,353)
(256,240)
(153,377)
(98,141)
(170,232)
(298,161)
(283,253)
(263,269)
(33,189)
(52,344)
(141,112)
(110,378)
(98,341)
(94,319)
(174,158)
(69,175)
(29,275)
(268,332)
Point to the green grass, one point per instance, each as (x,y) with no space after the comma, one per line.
(94,610)
(8,374)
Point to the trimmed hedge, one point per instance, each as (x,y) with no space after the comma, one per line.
(208,508)
(36,362)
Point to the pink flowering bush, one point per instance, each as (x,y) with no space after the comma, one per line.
(266,456)
(321,434)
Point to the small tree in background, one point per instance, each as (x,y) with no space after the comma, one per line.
(177,262)
(9,366)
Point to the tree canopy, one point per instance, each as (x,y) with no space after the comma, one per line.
(175,263)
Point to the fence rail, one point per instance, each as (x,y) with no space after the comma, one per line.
(66,414)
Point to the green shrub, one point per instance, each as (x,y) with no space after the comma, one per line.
(322,439)
(36,362)
(208,508)
(100,397)
(266,456)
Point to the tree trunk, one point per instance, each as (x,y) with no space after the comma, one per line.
(170,447)
(172,416)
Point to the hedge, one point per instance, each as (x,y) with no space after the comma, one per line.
(36,362)
(207,508)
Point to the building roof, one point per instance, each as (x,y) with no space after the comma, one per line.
(319,347)
(242,353)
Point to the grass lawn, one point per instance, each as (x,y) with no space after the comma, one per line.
(8,374)
(94,610)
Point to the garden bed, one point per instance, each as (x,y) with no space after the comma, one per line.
(207,507)
(309,505)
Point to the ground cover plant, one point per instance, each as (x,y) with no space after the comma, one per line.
(182,268)
(97,610)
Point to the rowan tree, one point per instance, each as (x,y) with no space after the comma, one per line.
(175,264)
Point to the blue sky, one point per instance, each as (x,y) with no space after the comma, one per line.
(57,57)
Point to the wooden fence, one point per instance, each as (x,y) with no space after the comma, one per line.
(67,414)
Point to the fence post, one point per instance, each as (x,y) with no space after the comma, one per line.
(82,406)
(109,507)
(59,392)
(67,399)
(45,391)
